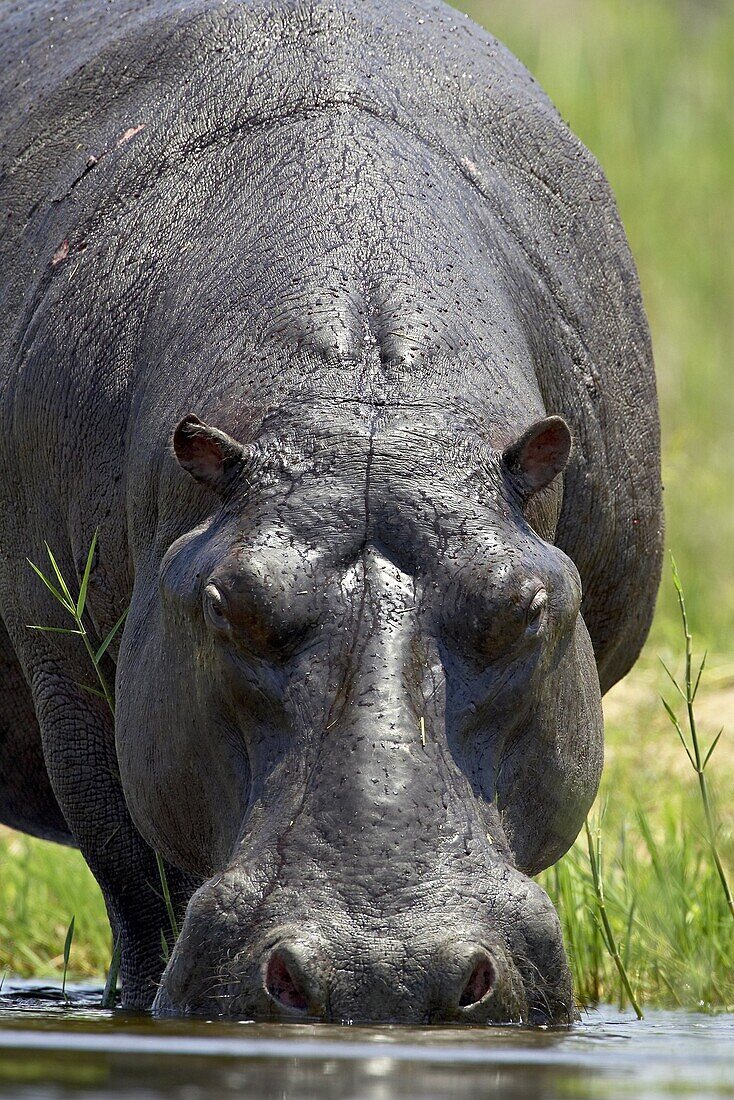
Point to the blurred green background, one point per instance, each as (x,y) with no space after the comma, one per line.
(649,87)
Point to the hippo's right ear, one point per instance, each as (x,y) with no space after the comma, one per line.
(539,455)
(210,456)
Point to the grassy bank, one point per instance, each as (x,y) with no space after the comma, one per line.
(663,895)
(42,886)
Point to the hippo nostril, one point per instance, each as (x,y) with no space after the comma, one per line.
(283,982)
(467,972)
(481,981)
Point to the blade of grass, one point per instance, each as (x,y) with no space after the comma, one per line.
(82,598)
(608,934)
(713,745)
(52,588)
(110,637)
(67,953)
(110,988)
(60,578)
(92,690)
(54,629)
(672,679)
(167,896)
(700,672)
(677,726)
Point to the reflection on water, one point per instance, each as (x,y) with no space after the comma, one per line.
(49,1049)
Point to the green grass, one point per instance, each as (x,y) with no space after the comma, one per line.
(664,902)
(665,905)
(646,84)
(41,887)
(645,898)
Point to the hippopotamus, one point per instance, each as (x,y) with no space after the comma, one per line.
(317,313)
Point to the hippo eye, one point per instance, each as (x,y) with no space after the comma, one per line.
(214,607)
(536,610)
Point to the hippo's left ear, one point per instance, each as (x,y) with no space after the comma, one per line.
(210,456)
(538,455)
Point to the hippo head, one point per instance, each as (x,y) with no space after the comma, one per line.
(360,702)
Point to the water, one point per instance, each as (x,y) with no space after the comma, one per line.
(50,1050)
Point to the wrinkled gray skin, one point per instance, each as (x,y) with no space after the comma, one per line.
(358,689)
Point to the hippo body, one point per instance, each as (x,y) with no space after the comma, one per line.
(303,305)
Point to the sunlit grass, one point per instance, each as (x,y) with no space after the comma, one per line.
(42,886)
(663,893)
(665,904)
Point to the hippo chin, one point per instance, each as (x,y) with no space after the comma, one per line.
(326,322)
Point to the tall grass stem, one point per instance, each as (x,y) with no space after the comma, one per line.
(607,933)
(110,988)
(694,751)
(67,953)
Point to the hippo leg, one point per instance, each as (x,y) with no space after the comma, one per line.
(27,800)
(76,734)
(78,739)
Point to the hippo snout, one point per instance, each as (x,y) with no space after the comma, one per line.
(399,971)
(463,981)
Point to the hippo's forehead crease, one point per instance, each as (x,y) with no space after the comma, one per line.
(303,515)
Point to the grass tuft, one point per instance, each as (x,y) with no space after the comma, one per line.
(665,895)
(593,841)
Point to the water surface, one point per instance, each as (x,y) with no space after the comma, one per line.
(49,1049)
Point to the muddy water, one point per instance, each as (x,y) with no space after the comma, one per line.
(52,1050)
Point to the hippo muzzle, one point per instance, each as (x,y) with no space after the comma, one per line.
(415,968)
